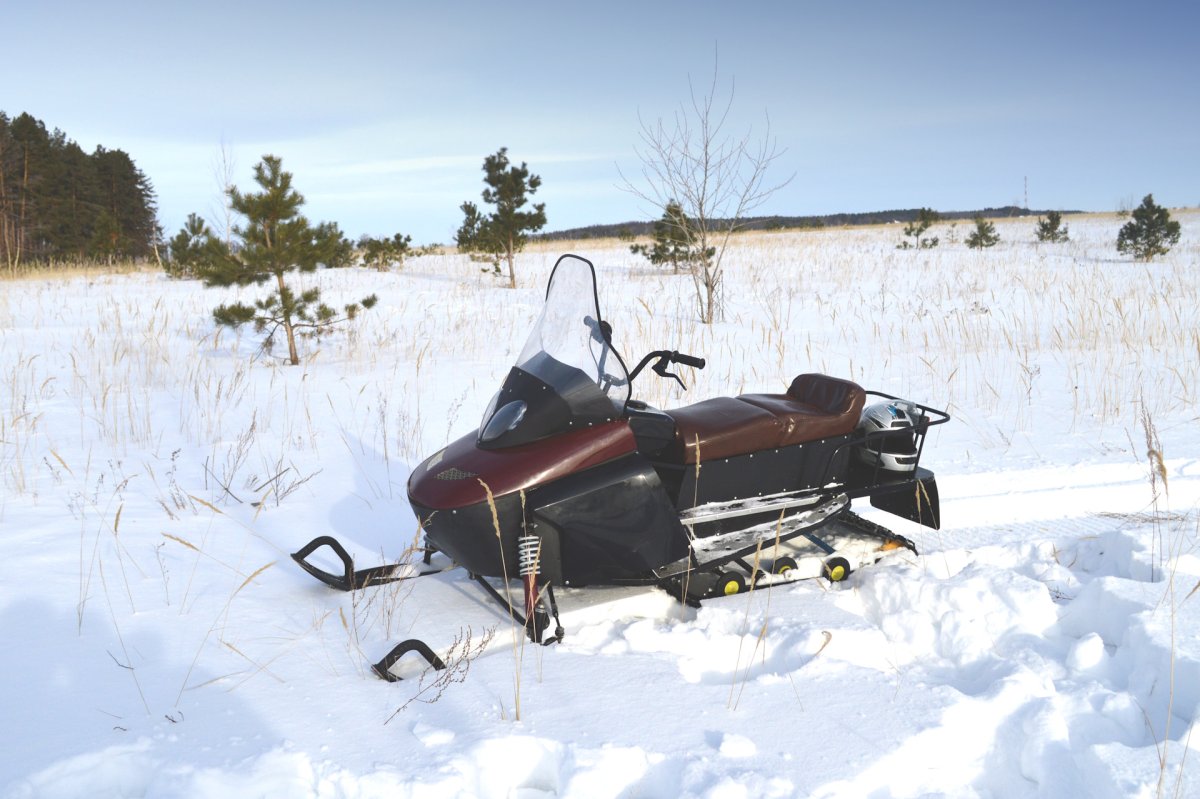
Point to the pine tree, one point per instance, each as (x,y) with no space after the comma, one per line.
(1151,232)
(984,235)
(27,197)
(503,233)
(915,229)
(125,195)
(9,242)
(477,238)
(107,239)
(275,240)
(674,241)
(380,254)
(76,219)
(192,246)
(1051,229)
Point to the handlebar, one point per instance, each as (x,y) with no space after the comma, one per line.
(687,360)
(666,357)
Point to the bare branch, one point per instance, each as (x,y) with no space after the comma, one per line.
(716,178)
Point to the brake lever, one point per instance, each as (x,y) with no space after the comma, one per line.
(660,369)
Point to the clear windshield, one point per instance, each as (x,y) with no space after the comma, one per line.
(569,331)
(567,376)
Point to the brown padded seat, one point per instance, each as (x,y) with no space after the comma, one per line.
(815,407)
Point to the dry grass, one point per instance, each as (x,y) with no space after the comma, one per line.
(62,270)
(1062,323)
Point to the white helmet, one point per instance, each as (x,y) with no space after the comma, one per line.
(890,440)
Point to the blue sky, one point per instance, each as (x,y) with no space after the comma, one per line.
(385,111)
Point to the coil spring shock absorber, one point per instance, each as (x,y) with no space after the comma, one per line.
(529,550)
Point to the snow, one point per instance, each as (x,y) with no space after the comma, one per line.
(155,473)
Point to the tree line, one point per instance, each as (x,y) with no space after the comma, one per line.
(635,228)
(60,203)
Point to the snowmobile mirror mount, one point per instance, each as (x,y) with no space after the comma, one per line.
(601,330)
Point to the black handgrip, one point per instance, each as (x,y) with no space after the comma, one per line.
(687,360)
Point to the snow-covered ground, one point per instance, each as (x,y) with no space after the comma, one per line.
(155,473)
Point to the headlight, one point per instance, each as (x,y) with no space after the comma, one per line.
(506,418)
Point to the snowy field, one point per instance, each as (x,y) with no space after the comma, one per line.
(155,473)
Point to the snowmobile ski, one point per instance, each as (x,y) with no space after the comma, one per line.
(351,580)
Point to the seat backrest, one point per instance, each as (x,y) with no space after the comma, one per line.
(829,394)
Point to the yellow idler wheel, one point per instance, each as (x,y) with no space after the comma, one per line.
(783,565)
(730,583)
(836,569)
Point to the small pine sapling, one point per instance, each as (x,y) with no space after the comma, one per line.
(275,240)
(1051,229)
(916,229)
(1151,232)
(191,246)
(984,235)
(674,242)
(502,233)
(381,254)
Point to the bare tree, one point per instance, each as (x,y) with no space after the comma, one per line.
(224,165)
(716,177)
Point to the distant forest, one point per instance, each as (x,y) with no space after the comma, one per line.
(58,203)
(632,229)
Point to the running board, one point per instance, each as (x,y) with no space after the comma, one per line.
(713,551)
(772,503)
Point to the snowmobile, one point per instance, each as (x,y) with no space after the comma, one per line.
(571,482)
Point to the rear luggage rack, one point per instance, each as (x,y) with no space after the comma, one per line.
(866,479)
